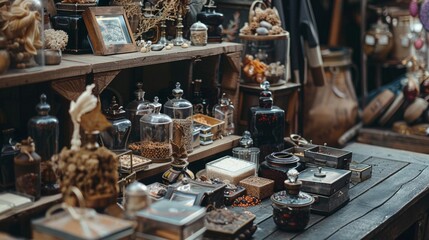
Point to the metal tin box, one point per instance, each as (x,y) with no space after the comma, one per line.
(360,172)
(328,204)
(227,224)
(69,19)
(197,193)
(64,226)
(169,220)
(329,157)
(324,181)
(232,193)
(299,152)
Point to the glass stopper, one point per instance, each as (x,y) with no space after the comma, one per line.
(265,85)
(292,175)
(246,140)
(177,92)
(43,108)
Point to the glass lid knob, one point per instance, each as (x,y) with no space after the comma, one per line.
(319,173)
(177,92)
(292,175)
(43,108)
(265,85)
(246,140)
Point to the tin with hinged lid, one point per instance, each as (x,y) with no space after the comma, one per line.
(325,156)
(329,186)
(169,220)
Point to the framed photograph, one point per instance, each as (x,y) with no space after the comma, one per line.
(108,30)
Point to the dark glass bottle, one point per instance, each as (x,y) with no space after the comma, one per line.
(116,137)
(135,110)
(267,124)
(27,169)
(8,152)
(213,21)
(44,130)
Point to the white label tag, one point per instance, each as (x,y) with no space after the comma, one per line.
(383,40)
(369,40)
(405,41)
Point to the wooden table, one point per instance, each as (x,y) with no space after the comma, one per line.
(394,201)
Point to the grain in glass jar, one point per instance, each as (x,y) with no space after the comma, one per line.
(199,34)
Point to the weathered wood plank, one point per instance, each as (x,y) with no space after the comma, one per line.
(281,234)
(394,140)
(389,153)
(363,204)
(399,200)
(48,73)
(381,169)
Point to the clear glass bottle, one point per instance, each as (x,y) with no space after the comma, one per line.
(156,132)
(224,111)
(7,154)
(246,151)
(135,110)
(116,137)
(44,130)
(181,111)
(27,170)
(267,124)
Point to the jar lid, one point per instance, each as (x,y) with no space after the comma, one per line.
(178,102)
(156,116)
(139,103)
(292,196)
(136,189)
(115,111)
(246,140)
(43,108)
(283,158)
(199,26)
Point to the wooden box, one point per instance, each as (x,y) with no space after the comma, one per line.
(360,172)
(216,125)
(258,187)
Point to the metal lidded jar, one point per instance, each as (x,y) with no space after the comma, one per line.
(156,132)
(136,198)
(291,207)
(181,111)
(199,34)
(135,110)
(116,137)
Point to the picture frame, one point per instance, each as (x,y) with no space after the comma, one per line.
(108,30)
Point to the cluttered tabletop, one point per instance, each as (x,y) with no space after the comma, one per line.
(393,200)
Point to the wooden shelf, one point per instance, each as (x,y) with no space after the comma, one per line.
(80,65)
(199,153)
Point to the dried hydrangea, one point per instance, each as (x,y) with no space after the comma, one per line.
(56,39)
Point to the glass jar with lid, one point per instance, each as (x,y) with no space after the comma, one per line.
(199,34)
(116,137)
(156,134)
(181,111)
(378,40)
(135,110)
(224,111)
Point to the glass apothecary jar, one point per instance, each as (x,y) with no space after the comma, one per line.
(27,170)
(181,111)
(267,124)
(224,111)
(135,110)
(199,34)
(291,207)
(245,151)
(156,132)
(116,137)
(212,20)
(378,40)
